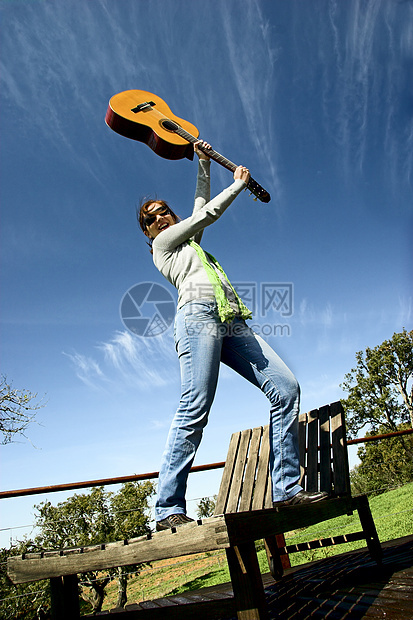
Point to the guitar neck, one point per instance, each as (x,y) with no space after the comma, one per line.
(252,185)
(220,159)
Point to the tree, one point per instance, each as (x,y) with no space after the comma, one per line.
(206,507)
(384,464)
(28,601)
(15,406)
(380,386)
(95,518)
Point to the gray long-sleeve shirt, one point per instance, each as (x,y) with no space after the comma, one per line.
(175,259)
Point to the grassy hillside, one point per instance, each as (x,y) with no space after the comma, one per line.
(392,513)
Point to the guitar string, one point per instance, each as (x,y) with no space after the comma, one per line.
(180,131)
(190,138)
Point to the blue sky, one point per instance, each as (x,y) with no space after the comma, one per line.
(314,97)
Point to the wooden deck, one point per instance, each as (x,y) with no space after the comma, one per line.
(349,585)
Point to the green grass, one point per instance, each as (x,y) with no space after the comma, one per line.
(392,513)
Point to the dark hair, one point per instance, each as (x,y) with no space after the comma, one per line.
(143,212)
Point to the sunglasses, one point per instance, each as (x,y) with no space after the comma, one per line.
(149,219)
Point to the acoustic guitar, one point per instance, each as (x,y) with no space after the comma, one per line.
(142,116)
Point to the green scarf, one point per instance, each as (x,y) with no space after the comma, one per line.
(226,313)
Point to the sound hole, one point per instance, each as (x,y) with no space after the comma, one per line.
(169,125)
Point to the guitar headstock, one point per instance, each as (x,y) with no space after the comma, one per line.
(258,191)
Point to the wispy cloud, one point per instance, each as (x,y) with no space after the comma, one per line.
(405,312)
(147,363)
(308,314)
(354,72)
(87,369)
(324,388)
(323,322)
(66,57)
(370,82)
(254,78)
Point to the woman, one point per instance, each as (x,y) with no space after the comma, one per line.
(210,328)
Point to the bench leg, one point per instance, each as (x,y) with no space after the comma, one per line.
(276,562)
(249,596)
(64,598)
(369,527)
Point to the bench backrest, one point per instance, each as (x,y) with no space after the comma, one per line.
(246,483)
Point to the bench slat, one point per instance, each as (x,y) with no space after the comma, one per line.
(312,451)
(189,538)
(237,478)
(302,447)
(340,456)
(248,488)
(222,499)
(325,449)
(263,477)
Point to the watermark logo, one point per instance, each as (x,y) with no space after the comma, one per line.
(277,296)
(147,309)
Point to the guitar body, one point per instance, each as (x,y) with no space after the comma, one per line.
(128,116)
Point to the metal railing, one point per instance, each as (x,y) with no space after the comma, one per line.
(150,476)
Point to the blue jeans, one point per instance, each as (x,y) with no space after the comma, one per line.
(202,342)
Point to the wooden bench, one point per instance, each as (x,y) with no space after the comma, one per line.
(243,514)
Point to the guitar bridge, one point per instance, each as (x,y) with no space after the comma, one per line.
(143,107)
